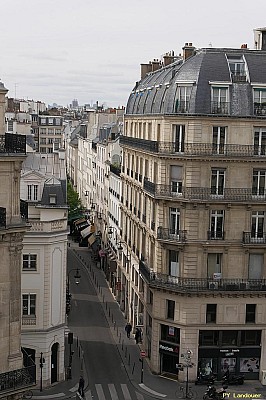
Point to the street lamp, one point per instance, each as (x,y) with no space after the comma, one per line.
(186,364)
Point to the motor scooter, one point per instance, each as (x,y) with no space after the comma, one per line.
(214,394)
(205,379)
(230,379)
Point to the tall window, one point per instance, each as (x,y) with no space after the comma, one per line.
(29,262)
(174,221)
(220,100)
(33,192)
(237,69)
(218,139)
(214,264)
(176,179)
(211,313)
(29,304)
(260,141)
(255,266)
(259,96)
(170,309)
(257,224)
(217,224)
(217,182)
(250,313)
(258,184)
(179,138)
(183,98)
(173,263)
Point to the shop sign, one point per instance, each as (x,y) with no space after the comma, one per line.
(228,352)
(170,348)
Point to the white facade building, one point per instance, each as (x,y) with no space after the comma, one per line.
(43,187)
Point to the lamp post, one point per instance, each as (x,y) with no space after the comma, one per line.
(187,364)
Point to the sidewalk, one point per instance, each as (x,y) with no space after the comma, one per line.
(144,381)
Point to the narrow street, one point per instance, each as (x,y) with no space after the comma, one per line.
(104,366)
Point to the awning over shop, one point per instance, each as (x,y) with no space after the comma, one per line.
(85,232)
(91,240)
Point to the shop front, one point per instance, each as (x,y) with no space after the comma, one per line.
(169,358)
(240,357)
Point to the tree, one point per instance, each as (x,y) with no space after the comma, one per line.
(73,201)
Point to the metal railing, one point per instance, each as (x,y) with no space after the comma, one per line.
(194,149)
(253,238)
(260,109)
(17,379)
(171,234)
(220,107)
(12,143)
(201,193)
(178,284)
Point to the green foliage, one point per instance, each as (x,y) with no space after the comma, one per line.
(73,201)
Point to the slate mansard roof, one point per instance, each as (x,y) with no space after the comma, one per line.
(157,92)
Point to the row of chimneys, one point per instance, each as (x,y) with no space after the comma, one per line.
(168,58)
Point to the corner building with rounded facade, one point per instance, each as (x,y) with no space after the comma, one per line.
(193,211)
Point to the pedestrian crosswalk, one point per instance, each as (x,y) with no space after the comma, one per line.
(112,391)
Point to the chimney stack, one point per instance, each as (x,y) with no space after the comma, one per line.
(188,51)
(244,46)
(155,65)
(145,69)
(168,58)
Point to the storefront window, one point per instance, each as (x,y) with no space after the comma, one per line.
(228,363)
(208,338)
(207,366)
(250,338)
(229,338)
(249,364)
(170,334)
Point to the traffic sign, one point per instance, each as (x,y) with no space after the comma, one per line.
(143,353)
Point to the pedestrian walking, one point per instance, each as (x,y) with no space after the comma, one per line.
(138,335)
(81,386)
(128,329)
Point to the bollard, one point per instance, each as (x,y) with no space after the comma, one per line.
(128,359)
(112,318)
(79,352)
(109,312)
(114,325)
(120,337)
(122,344)
(117,330)
(126,352)
(77,341)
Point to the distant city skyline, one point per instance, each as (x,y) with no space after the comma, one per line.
(57,51)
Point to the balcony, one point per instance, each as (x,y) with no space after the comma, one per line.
(203,194)
(17,380)
(176,284)
(252,238)
(220,107)
(215,235)
(28,320)
(171,234)
(13,144)
(260,109)
(238,77)
(115,169)
(192,149)
(2,217)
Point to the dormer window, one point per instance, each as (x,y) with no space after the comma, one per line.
(32,192)
(52,199)
(220,100)
(259,96)
(237,68)
(183,93)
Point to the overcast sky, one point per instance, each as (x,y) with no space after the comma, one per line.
(58,50)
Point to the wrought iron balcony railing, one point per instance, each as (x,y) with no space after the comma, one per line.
(260,109)
(201,193)
(216,235)
(18,379)
(178,284)
(171,234)
(13,143)
(2,217)
(220,107)
(193,149)
(254,238)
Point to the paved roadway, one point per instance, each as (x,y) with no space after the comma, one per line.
(105,369)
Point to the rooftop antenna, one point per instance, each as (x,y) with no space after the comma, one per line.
(210,44)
